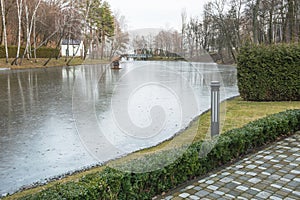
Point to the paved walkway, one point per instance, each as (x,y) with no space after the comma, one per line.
(272,173)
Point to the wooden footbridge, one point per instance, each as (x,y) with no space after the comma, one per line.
(136,56)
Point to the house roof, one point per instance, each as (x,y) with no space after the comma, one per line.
(71,42)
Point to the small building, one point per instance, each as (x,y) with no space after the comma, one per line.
(72,48)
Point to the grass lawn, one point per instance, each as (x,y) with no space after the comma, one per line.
(238,113)
(53,63)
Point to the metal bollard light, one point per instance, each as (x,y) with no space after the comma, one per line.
(215,108)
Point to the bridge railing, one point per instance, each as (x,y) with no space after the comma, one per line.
(137,55)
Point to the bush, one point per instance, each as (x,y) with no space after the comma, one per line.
(269,73)
(43,52)
(113,184)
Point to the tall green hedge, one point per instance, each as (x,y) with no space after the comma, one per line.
(42,52)
(113,184)
(269,73)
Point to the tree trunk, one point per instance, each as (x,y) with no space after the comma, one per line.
(19,11)
(102,43)
(271,22)
(255,22)
(4,30)
(290,21)
(34,40)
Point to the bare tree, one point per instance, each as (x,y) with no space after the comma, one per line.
(118,43)
(183,28)
(29,26)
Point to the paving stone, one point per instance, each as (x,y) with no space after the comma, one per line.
(275,161)
(246,195)
(274,176)
(229,196)
(193,197)
(242,188)
(219,193)
(297,172)
(253,192)
(202,181)
(202,193)
(266,173)
(190,187)
(289,176)
(282,193)
(287,189)
(212,187)
(213,175)
(285,179)
(251,173)
(236,182)
(209,182)
(251,166)
(268,157)
(276,186)
(293,184)
(225,173)
(263,195)
(197,188)
(234,193)
(226,180)
(297,179)
(288,198)
(213,196)
(184,195)
(240,172)
(224,189)
(262,168)
(183,190)
(275,198)
(254,180)
(231,185)
(266,165)
(296,193)
(244,178)
(169,197)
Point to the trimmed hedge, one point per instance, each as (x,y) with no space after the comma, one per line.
(269,73)
(113,184)
(42,52)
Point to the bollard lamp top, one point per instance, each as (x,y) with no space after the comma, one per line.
(215,84)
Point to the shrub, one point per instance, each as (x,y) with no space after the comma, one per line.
(113,184)
(269,73)
(43,52)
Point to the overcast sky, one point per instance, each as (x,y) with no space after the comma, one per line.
(156,13)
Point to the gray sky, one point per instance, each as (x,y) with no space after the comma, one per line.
(156,13)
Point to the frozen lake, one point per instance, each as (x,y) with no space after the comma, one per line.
(58,120)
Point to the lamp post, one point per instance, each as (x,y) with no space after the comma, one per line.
(215,108)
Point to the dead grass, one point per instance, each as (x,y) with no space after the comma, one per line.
(29,64)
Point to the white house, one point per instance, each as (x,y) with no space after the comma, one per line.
(72,48)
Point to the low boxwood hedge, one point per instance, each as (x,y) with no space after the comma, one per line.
(197,160)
